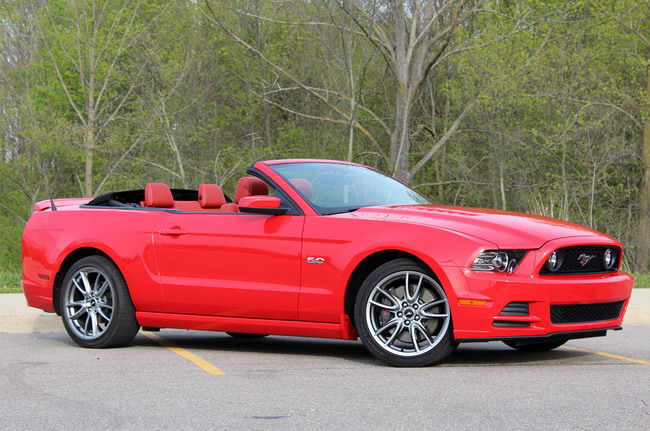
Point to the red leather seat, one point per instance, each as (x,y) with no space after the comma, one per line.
(246,186)
(187,206)
(250,186)
(211,197)
(230,208)
(158,195)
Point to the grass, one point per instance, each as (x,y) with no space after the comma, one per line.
(641,281)
(10,282)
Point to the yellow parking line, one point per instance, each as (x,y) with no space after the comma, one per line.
(197,360)
(608,355)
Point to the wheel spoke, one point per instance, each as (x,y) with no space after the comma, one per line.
(395,334)
(95,284)
(104,305)
(102,289)
(389,324)
(416,294)
(86,324)
(95,326)
(406,286)
(82,310)
(414,338)
(104,316)
(388,307)
(433,315)
(417,326)
(424,313)
(84,277)
(79,288)
(391,298)
(433,303)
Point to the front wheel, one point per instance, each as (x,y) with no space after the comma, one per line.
(403,316)
(95,305)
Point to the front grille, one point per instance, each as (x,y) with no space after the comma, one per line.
(586,312)
(583,260)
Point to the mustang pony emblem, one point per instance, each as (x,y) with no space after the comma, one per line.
(585,258)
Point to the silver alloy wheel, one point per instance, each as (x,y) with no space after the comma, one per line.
(407,313)
(88,304)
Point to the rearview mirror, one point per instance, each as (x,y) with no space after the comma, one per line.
(262,205)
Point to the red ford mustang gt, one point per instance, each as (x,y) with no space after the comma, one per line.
(320,248)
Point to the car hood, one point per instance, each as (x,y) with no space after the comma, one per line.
(502,228)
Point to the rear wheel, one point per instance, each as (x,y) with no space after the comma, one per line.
(95,305)
(402,315)
(535,347)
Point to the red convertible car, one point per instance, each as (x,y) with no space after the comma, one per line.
(320,248)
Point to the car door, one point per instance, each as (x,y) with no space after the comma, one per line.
(230,264)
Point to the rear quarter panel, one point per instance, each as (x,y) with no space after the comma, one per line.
(125,236)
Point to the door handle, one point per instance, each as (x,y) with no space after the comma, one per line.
(173,231)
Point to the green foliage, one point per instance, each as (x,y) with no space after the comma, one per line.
(560,89)
(642,281)
(10,243)
(10,282)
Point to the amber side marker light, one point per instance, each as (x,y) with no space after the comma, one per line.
(472,302)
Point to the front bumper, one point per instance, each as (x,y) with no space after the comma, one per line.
(478,310)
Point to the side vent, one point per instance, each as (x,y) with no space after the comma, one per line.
(515,309)
(510,324)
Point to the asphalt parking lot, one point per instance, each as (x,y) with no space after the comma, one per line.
(196,380)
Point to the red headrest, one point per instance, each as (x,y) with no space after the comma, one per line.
(303,186)
(211,196)
(158,195)
(250,186)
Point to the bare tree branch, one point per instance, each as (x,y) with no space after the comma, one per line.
(623,23)
(346,117)
(442,141)
(357,125)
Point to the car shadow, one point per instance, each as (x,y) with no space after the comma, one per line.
(498,354)
(275,345)
(470,354)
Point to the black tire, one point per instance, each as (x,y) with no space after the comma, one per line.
(402,315)
(95,304)
(244,335)
(535,347)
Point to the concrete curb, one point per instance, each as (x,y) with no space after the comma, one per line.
(17,317)
(638,312)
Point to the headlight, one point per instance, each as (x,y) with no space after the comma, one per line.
(554,261)
(609,259)
(498,260)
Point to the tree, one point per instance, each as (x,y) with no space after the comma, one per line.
(93,48)
(631,18)
(416,40)
(530,106)
(413,38)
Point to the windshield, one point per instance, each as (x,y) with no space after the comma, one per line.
(332,188)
